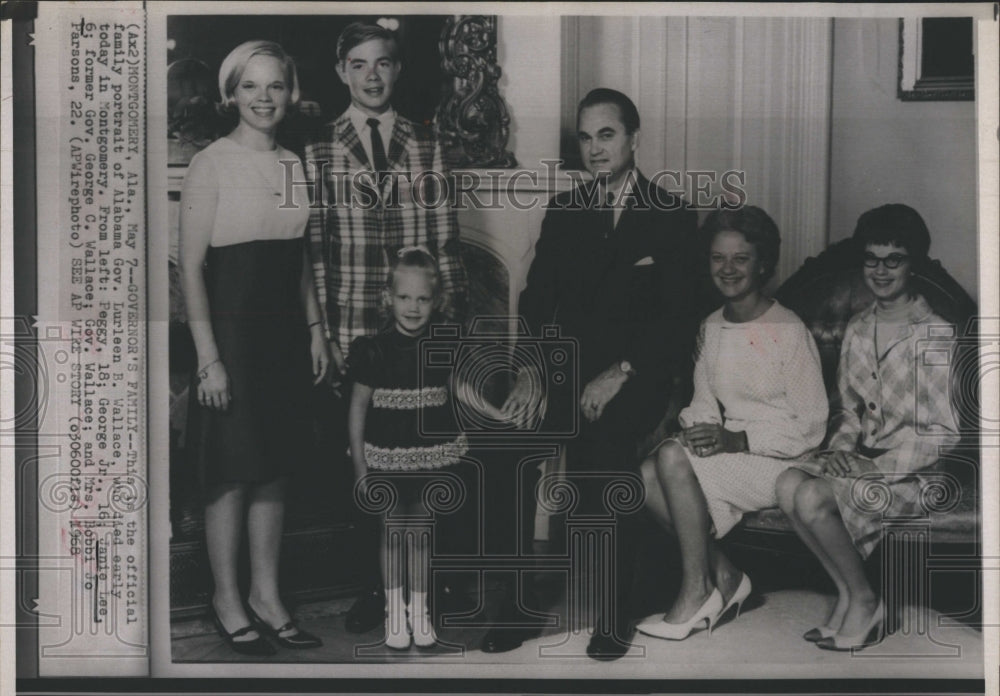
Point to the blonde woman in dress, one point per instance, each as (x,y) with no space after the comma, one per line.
(259,338)
(758,402)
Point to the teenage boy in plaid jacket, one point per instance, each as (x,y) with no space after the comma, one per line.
(383,187)
(383,183)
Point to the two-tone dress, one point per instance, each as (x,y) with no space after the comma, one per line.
(253,273)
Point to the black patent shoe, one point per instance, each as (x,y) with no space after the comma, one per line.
(257,647)
(607,646)
(300,640)
(367,613)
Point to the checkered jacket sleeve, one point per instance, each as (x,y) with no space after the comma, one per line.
(316,154)
(845,422)
(907,411)
(935,427)
(443,239)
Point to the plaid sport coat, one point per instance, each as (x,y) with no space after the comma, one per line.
(897,404)
(354,229)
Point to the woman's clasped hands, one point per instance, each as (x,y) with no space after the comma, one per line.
(706,439)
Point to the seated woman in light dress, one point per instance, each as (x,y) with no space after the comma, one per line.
(758,402)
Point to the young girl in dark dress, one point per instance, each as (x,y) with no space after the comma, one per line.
(394,407)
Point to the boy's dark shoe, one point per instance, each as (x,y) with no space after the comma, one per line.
(368,611)
(501,636)
(500,639)
(610,645)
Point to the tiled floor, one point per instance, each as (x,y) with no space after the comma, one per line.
(764,642)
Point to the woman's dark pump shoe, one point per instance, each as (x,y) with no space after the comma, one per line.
(257,647)
(300,640)
(814,635)
(872,634)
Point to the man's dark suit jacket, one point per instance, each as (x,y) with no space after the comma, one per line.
(626,295)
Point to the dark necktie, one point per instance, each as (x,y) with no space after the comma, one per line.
(380,163)
(608,215)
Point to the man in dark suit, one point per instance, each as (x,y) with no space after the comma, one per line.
(613,269)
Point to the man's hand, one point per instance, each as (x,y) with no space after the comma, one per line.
(468,397)
(600,391)
(706,439)
(525,399)
(840,464)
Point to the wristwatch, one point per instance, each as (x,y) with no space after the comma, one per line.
(626,367)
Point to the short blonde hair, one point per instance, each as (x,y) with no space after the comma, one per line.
(417,257)
(236,62)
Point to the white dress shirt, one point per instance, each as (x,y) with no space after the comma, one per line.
(619,196)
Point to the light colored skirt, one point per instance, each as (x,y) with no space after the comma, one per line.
(736,483)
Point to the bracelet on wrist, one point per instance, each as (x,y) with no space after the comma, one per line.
(203,370)
(315,323)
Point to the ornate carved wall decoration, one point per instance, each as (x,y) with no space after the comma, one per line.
(473,121)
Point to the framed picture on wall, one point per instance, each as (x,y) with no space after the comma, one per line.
(936,62)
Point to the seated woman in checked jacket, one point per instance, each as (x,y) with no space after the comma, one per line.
(893,417)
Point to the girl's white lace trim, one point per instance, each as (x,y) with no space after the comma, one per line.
(409,399)
(409,458)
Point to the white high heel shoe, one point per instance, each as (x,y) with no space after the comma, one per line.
(423,629)
(743,591)
(872,634)
(708,612)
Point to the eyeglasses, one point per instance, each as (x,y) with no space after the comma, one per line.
(891,261)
